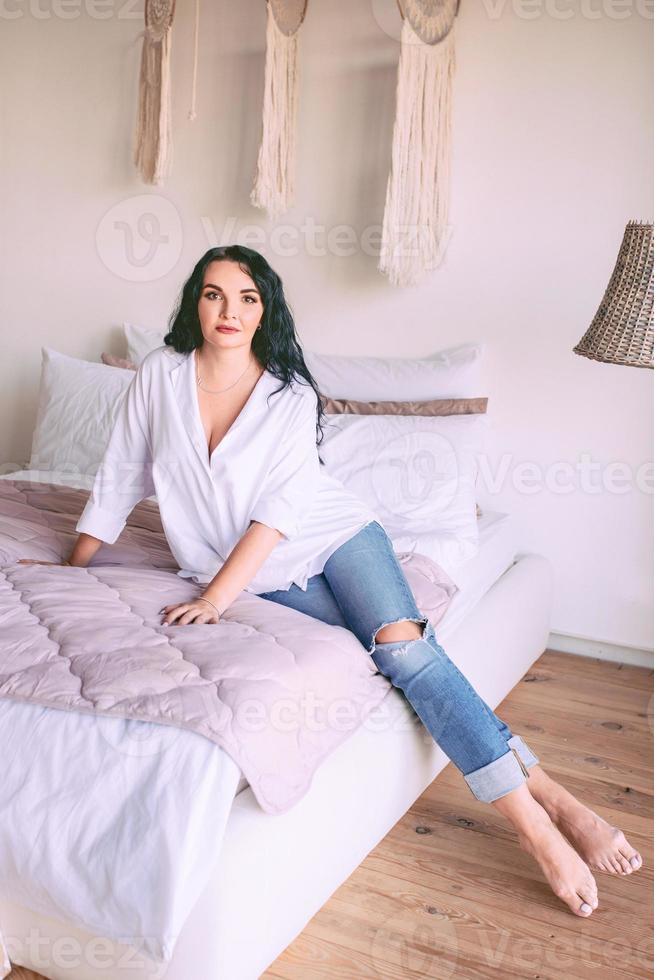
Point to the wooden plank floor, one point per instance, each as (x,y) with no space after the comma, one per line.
(448,892)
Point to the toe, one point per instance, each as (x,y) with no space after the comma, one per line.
(629,855)
(624,864)
(584,908)
(587,896)
(575,900)
(615,864)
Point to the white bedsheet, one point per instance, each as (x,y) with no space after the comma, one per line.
(123,844)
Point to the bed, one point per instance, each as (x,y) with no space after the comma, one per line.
(257,878)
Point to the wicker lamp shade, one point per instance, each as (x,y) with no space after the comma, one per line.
(622,331)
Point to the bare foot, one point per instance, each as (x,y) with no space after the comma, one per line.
(568,876)
(602,846)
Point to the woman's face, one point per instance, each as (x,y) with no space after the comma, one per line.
(229,298)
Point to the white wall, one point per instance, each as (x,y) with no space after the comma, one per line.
(553,153)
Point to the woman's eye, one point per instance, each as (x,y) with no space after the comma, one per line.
(212,293)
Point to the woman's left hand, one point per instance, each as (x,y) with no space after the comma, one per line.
(196,611)
(40,561)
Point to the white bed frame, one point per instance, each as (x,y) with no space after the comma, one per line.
(275,872)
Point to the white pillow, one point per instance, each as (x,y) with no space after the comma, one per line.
(78,401)
(417,473)
(452,373)
(141,340)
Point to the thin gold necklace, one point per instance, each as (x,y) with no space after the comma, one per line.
(220,390)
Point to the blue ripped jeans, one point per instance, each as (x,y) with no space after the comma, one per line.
(363,587)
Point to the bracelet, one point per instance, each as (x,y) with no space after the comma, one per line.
(204,599)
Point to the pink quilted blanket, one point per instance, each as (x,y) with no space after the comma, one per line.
(278,690)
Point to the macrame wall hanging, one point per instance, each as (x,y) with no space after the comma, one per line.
(274,183)
(417,193)
(153,141)
(153,138)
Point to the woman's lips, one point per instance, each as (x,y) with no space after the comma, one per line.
(227,329)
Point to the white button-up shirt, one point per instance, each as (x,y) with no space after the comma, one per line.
(265,468)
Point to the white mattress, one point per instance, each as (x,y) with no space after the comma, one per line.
(497,551)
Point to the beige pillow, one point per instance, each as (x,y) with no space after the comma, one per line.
(436,406)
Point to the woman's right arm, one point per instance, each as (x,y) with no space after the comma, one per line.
(124,476)
(84,549)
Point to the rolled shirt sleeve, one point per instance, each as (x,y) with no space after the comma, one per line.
(124,476)
(290,489)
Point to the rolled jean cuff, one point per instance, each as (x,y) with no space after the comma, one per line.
(523,750)
(500,776)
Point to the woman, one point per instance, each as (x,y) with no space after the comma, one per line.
(224,424)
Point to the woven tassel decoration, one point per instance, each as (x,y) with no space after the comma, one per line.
(153,147)
(417,193)
(274,184)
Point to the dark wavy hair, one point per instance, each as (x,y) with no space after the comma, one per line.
(275,345)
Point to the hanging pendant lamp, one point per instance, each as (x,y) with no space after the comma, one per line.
(622,330)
